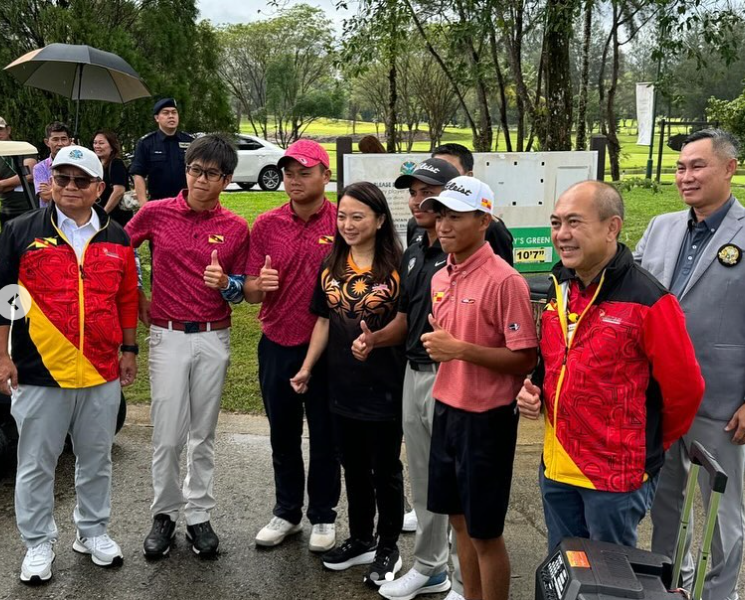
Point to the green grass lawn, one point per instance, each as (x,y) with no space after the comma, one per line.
(633,157)
(242,389)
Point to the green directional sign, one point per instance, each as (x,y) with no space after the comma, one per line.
(532,252)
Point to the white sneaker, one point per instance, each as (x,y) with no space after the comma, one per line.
(453,595)
(37,564)
(414,583)
(410,522)
(322,537)
(104,551)
(276,531)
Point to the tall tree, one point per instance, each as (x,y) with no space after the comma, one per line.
(558,31)
(584,78)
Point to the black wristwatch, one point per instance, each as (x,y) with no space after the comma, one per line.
(133,348)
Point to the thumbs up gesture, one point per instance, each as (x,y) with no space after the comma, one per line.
(440,344)
(268,280)
(529,400)
(364,344)
(214,277)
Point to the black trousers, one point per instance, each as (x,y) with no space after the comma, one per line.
(370,454)
(285,409)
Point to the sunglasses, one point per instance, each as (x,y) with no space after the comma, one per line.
(82,183)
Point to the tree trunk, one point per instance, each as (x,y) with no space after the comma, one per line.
(585,79)
(502,96)
(558,77)
(390,125)
(614,147)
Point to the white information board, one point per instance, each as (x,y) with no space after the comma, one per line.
(526,186)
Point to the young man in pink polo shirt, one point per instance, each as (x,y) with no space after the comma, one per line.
(288,245)
(485,341)
(193,235)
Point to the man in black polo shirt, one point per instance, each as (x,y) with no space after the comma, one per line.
(159,156)
(498,236)
(422,259)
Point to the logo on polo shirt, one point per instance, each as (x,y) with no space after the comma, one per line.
(513,326)
(468,301)
(39,243)
(412,262)
(326,239)
(215,238)
(438,296)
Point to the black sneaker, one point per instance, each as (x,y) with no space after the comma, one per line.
(385,566)
(158,541)
(204,540)
(350,553)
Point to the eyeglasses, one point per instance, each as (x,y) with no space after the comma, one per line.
(82,183)
(197,172)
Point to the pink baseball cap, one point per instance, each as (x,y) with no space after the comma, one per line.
(307,152)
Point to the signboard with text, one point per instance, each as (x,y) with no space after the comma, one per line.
(526,185)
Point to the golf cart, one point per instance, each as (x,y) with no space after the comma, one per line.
(15,153)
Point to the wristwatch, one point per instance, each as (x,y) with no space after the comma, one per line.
(133,348)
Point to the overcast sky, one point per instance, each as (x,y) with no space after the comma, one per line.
(235,11)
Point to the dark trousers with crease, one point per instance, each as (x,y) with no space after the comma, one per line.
(285,410)
(370,454)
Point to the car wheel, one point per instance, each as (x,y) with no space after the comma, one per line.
(269,179)
(246,186)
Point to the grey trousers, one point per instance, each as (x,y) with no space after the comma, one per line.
(187,375)
(727,545)
(45,416)
(431,544)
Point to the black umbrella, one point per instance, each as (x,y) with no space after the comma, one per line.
(80,73)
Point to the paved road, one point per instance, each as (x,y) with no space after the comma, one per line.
(245,497)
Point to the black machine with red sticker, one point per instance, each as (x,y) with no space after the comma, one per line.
(582,569)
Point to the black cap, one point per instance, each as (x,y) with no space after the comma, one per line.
(434,171)
(164,103)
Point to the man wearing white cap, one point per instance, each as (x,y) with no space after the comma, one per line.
(485,341)
(73,349)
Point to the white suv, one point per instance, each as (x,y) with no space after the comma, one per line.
(257,163)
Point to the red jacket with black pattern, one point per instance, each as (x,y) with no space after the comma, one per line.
(620,379)
(71,335)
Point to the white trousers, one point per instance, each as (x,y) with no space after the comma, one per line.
(187,375)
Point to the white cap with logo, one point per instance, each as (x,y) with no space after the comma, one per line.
(80,157)
(463,194)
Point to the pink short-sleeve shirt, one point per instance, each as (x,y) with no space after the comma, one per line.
(486,302)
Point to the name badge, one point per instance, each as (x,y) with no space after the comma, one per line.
(184,145)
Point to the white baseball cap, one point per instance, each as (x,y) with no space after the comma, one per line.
(80,157)
(463,194)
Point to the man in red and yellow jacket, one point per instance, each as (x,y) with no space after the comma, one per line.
(618,376)
(70,272)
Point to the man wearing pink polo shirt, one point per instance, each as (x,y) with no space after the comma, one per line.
(193,235)
(485,341)
(288,245)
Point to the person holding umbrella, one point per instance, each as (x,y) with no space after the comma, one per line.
(57,136)
(12,199)
(159,167)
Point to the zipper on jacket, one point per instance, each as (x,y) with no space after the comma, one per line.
(563,308)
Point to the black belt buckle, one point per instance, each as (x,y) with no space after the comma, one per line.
(192,327)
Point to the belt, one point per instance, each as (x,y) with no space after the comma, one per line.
(191,326)
(429,367)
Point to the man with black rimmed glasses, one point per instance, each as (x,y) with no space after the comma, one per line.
(195,238)
(77,283)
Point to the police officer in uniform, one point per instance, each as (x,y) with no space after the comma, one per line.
(159,156)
